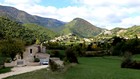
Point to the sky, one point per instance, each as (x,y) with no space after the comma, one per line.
(102,13)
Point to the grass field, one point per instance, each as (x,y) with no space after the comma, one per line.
(5,70)
(89,68)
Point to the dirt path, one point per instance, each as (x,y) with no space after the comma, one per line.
(20,70)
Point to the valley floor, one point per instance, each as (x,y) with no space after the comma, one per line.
(88,68)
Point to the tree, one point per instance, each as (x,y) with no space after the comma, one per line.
(130,45)
(12,47)
(71,56)
(37,42)
(116,40)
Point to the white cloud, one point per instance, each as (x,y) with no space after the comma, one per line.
(131,20)
(103,13)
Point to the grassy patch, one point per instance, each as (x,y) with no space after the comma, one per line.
(60,51)
(136,57)
(4,70)
(89,68)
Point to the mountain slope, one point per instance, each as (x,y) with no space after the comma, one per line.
(27,32)
(117,29)
(24,17)
(130,32)
(81,28)
(39,31)
(134,30)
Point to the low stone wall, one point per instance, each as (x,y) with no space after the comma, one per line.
(57,61)
(15,63)
(21,63)
(12,64)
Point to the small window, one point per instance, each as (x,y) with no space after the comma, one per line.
(31,51)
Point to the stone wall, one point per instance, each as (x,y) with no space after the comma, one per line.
(12,64)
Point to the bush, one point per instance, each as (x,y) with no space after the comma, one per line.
(126,64)
(53,66)
(80,49)
(70,56)
(56,53)
(129,63)
(8,60)
(132,45)
(36,59)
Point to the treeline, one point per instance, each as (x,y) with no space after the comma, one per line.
(120,46)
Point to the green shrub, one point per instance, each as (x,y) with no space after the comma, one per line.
(132,45)
(8,60)
(129,63)
(36,59)
(70,56)
(55,53)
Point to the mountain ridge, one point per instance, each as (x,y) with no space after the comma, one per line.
(81,28)
(130,32)
(77,26)
(24,17)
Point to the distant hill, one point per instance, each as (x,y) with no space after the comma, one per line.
(24,17)
(134,30)
(130,32)
(117,29)
(81,28)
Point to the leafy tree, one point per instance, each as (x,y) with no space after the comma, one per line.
(12,47)
(117,50)
(37,41)
(70,56)
(80,49)
(116,40)
(131,45)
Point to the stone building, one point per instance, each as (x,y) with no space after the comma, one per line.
(30,53)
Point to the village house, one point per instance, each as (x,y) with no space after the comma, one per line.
(30,53)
